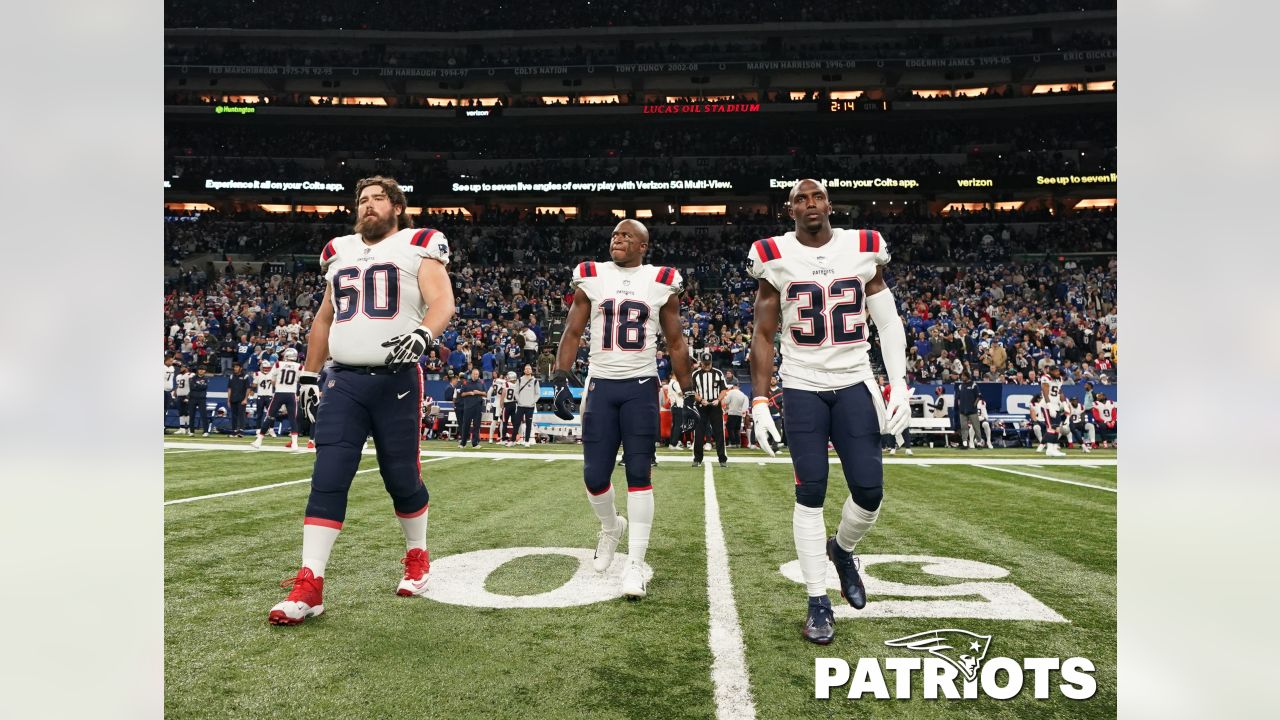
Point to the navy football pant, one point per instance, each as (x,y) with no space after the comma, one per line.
(200,409)
(619,412)
(287,400)
(849,419)
(523,416)
(386,406)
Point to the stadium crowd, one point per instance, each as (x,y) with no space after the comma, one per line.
(914,45)
(971,310)
(493,14)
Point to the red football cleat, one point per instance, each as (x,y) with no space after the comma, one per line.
(304,599)
(417,565)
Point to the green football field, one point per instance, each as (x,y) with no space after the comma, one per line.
(1007,544)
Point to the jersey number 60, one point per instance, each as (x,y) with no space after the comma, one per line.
(840,322)
(381,292)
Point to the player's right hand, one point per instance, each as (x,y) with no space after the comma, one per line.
(563,401)
(309,394)
(762,426)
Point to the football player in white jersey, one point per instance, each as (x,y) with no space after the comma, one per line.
(1105,417)
(284,383)
(1080,424)
(388,296)
(263,389)
(494,400)
(625,303)
(1051,389)
(182,394)
(823,285)
(169,372)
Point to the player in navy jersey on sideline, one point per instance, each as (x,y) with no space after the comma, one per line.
(625,303)
(823,284)
(387,296)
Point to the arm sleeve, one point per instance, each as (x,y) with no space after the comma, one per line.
(893,339)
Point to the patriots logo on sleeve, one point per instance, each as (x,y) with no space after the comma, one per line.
(443,248)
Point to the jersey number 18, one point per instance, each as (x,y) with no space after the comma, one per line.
(624,324)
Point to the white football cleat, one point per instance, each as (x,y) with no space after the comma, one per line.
(257,442)
(909,451)
(633,584)
(1053,451)
(1040,447)
(893,451)
(1085,447)
(607,544)
(205,434)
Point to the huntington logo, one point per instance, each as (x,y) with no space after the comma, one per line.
(957,668)
(963,649)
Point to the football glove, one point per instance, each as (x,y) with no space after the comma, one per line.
(897,411)
(309,394)
(692,416)
(407,349)
(563,402)
(762,425)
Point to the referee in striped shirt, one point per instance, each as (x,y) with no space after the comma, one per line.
(710,389)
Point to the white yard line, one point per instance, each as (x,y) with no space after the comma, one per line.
(972,460)
(265,487)
(1045,477)
(728,654)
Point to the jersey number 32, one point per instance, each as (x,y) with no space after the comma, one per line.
(816,322)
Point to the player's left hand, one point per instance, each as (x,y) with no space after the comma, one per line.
(563,400)
(407,349)
(897,411)
(763,427)
(309,394)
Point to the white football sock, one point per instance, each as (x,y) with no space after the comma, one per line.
(855,521)
(415,530)
(603,505)
(810,534)
(317,543)
(640,519)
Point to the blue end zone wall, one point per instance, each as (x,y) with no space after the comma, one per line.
(1001,399)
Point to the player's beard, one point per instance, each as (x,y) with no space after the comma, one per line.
(374,227)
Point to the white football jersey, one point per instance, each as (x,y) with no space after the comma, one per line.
(262,382)
(374,290)
(182,384)
(497,392)
(1055,393)
(169,372)
(825,337)
(625,303)
(284,377)
(1106,411)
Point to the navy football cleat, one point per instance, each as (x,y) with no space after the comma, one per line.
(820,626)
(851,587)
